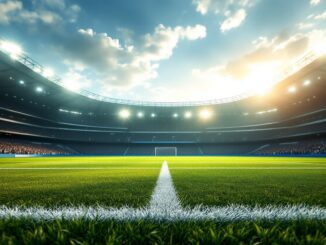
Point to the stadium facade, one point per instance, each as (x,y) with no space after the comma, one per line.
(34,108)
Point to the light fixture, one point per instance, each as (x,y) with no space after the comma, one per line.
(205,114)
(140,114)
(39,89)
(292,89)
(188,114)
(124,114)
(153,115)
(306,83)
(21,82)
(175,115)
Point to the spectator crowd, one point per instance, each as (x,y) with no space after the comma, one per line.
(17,147)
(295,148)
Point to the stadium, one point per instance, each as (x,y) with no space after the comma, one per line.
(82,167)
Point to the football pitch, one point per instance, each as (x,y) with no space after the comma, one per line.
(207,196)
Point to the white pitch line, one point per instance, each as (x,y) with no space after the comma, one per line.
(226,213)
(109,168)
(164,198)
(249,168)
(176,168)
(165,205)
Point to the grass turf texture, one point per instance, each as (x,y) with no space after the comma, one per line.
(131,180)
(118,181)
(147,232)
(249,180)
(114,185)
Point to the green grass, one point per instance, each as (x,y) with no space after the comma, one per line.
(202,162)
(82,162)
(147,232)
(213,186)
(118,181)
(251,187)
(106,187)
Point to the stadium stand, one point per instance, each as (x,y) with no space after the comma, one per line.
(21,147)
(295,148)
(85,124)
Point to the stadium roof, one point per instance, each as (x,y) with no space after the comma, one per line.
(18,56)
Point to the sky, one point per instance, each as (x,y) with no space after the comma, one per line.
(169,51)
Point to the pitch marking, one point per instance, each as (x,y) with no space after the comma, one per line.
(251,168)
(95,168)
(164,197)
(165,205)
(176,168)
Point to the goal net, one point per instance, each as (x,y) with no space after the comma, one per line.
(166,151)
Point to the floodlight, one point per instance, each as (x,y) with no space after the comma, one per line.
(261,112)
(188,114)
(48,72)
(13,49)
(205,114)
(306,83)
(292,89)
(21,82)
(273,110)
(153,115)
(39,89)
(140,114)
(124,114)
(175,115)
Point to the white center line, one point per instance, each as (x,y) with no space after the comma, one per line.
(164,197)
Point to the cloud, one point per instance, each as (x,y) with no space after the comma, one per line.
(233,12)
(233,21)
(259,69)
(321,16)
(120,65)
(283,48)
(192,32)
(161,43)
(313,20)
(305,25)
(221,7)
(8,9)
(45,12)
(314,2)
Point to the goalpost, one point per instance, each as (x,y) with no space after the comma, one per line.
(166,151)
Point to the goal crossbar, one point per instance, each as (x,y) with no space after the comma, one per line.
(166,151)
